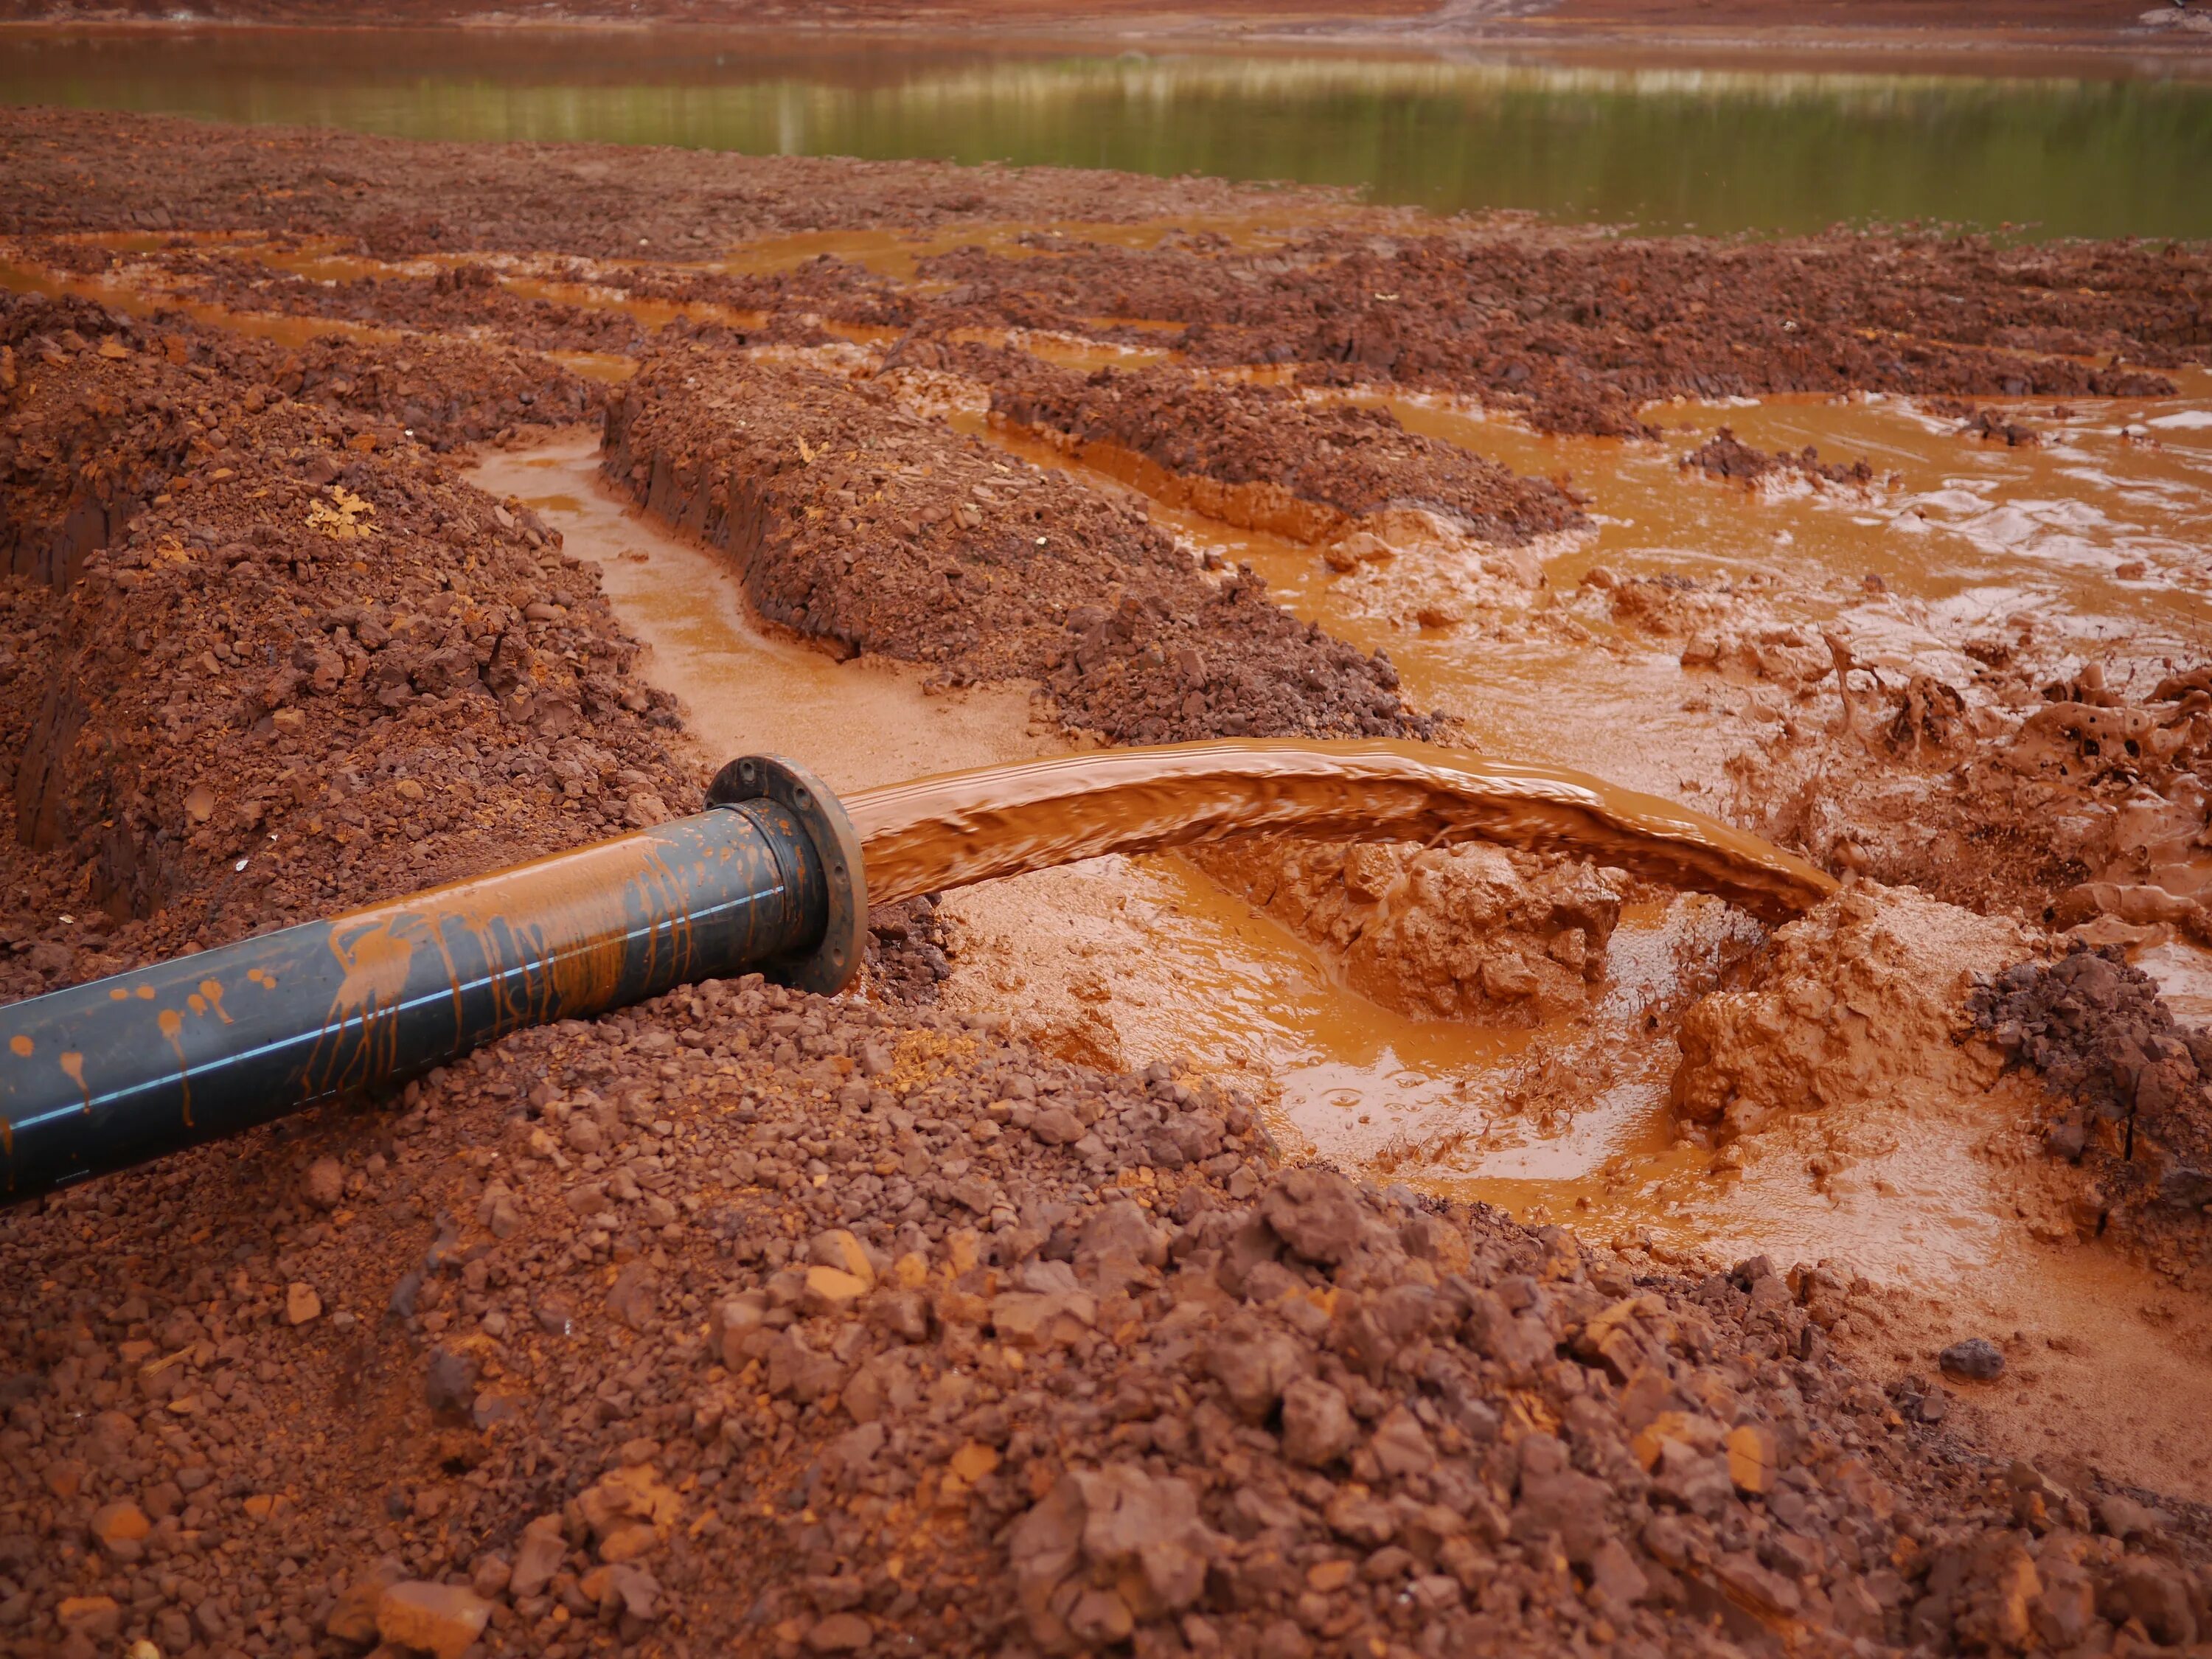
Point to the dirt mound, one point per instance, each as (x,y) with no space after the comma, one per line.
(2127,1091)
(1267,458)
(273,687)
(1725,456)
(1458,933)
(102,410)
(1578,333)
(861,524)
(835,289)
(793,1326)
(1862,998)
(75,170)
(747,1313)
(463,299)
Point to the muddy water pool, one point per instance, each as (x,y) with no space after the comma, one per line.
(2101,146)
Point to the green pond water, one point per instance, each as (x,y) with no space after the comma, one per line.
(1722,147)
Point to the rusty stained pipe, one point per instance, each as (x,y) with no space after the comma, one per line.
(102,1076)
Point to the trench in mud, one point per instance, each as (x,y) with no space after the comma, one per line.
(1120,960)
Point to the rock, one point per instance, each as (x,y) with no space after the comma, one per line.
(301,1304)
(1117,1241)
(489,1576)
(1039,1319)
(2157,1593)
(1139,1532)
(449,1384)
(441,1619)
(1508,978)
(630,1590)
(1317,1422)
(839,1249)
(97,1618)
(2124,1517)
(1254,1366)
(633,1297)
(323,1183)
(1752,1455)
(833,1290)
(1316,1214)
(1401,1445)
(352,1617)
(121,1528)
(841,1632)
(537,1557)
(1977,1359)
(1056,1126)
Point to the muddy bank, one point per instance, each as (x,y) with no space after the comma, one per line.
(271,686)
(1725,456)
(1467,932)
(2126,1096)
(1576,333)
(873,530)
(466,298)
(75,170)
(2060,798)
(1263,458)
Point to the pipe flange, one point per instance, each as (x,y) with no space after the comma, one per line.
(792,786)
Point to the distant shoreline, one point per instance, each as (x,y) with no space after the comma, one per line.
(1956,30)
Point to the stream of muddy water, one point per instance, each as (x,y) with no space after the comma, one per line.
(961,828)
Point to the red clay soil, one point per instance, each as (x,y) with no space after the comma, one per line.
(398,198)
(466,298)
(1349,462)
(2127,1089)
(265,683)
(863,526)
(756,1323)
(470,298)
(1576,332)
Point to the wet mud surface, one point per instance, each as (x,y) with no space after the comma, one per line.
(1290,1248)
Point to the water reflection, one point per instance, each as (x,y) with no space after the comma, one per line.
(1670,148)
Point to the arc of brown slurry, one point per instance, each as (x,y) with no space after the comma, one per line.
(959,827)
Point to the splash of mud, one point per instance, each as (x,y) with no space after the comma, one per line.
(963,827)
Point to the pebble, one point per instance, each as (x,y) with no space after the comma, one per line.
(1977,1359)
(443,1620)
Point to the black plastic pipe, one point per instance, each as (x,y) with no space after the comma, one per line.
(102,1076)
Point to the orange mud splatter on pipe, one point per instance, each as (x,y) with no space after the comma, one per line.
(72,1064)
(964,827)
(579,898)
